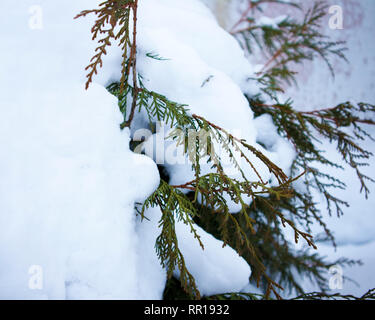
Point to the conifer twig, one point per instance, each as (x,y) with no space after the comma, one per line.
(133,64)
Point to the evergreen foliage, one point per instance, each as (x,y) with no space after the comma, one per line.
(256,232)
(291,42)
(369,295)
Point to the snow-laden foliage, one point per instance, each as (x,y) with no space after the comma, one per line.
(92,217)
(69,181)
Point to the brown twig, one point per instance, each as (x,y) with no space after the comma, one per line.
(243,17)
(133,65)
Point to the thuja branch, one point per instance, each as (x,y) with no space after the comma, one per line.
(244,16)
(113,13)
(174,206)
(289,43)
(329,123)
(278,173)
(252,4)
(369,295)
(133,64)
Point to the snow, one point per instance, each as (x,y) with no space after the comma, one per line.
(281,151)
(68,189)
(214,46)
(215,269)
(271,22)
(358,279)
(68,179)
